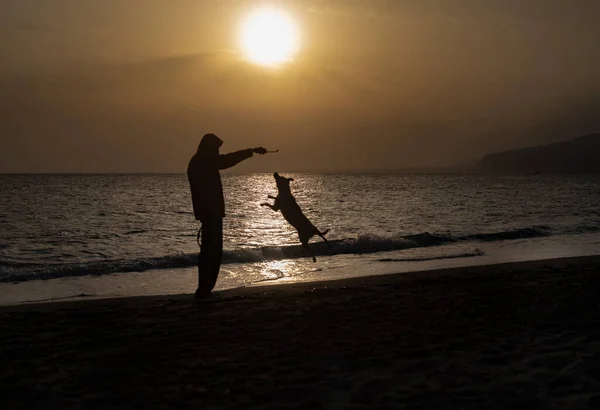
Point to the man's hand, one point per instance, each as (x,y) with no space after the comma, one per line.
(259,150)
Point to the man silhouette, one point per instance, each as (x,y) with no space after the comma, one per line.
(209,205)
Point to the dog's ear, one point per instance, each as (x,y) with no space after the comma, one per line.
(290,179)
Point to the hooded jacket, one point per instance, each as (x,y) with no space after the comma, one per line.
(205,179)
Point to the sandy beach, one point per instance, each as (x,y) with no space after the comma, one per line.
(480,337)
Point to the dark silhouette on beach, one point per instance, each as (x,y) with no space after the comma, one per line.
(286,203)
(209,205)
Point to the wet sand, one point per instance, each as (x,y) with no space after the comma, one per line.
(477,337)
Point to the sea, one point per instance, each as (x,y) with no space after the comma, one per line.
(73,236)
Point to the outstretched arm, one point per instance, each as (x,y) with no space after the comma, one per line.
(234,158)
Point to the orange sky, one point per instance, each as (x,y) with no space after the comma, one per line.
(115,86)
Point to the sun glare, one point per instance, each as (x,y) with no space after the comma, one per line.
(269,37)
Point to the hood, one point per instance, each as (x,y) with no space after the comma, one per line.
(209,145)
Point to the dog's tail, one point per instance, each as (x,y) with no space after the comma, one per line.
(324,232)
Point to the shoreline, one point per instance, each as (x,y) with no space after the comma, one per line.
(288,289)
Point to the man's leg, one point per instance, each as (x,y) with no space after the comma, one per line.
(216,252)
(202,262)
(211,252)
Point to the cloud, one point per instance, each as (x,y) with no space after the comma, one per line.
(209,81)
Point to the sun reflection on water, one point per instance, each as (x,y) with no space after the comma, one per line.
(279,270)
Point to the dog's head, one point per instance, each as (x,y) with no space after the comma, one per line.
(283,183)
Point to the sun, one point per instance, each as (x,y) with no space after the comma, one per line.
(269,37)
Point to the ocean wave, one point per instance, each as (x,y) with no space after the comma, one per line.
(16,272)
(136,231)
(472,254)
(366,244)
(522,233)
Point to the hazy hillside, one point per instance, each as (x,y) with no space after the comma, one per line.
(580,155)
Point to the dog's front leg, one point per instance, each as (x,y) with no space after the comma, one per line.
(273,207)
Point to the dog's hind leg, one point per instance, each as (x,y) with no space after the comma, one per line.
(322,235)
(326,242)
(305,246)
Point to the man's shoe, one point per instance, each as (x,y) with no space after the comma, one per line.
(206,298)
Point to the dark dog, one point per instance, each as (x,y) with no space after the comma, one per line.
(286,203)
